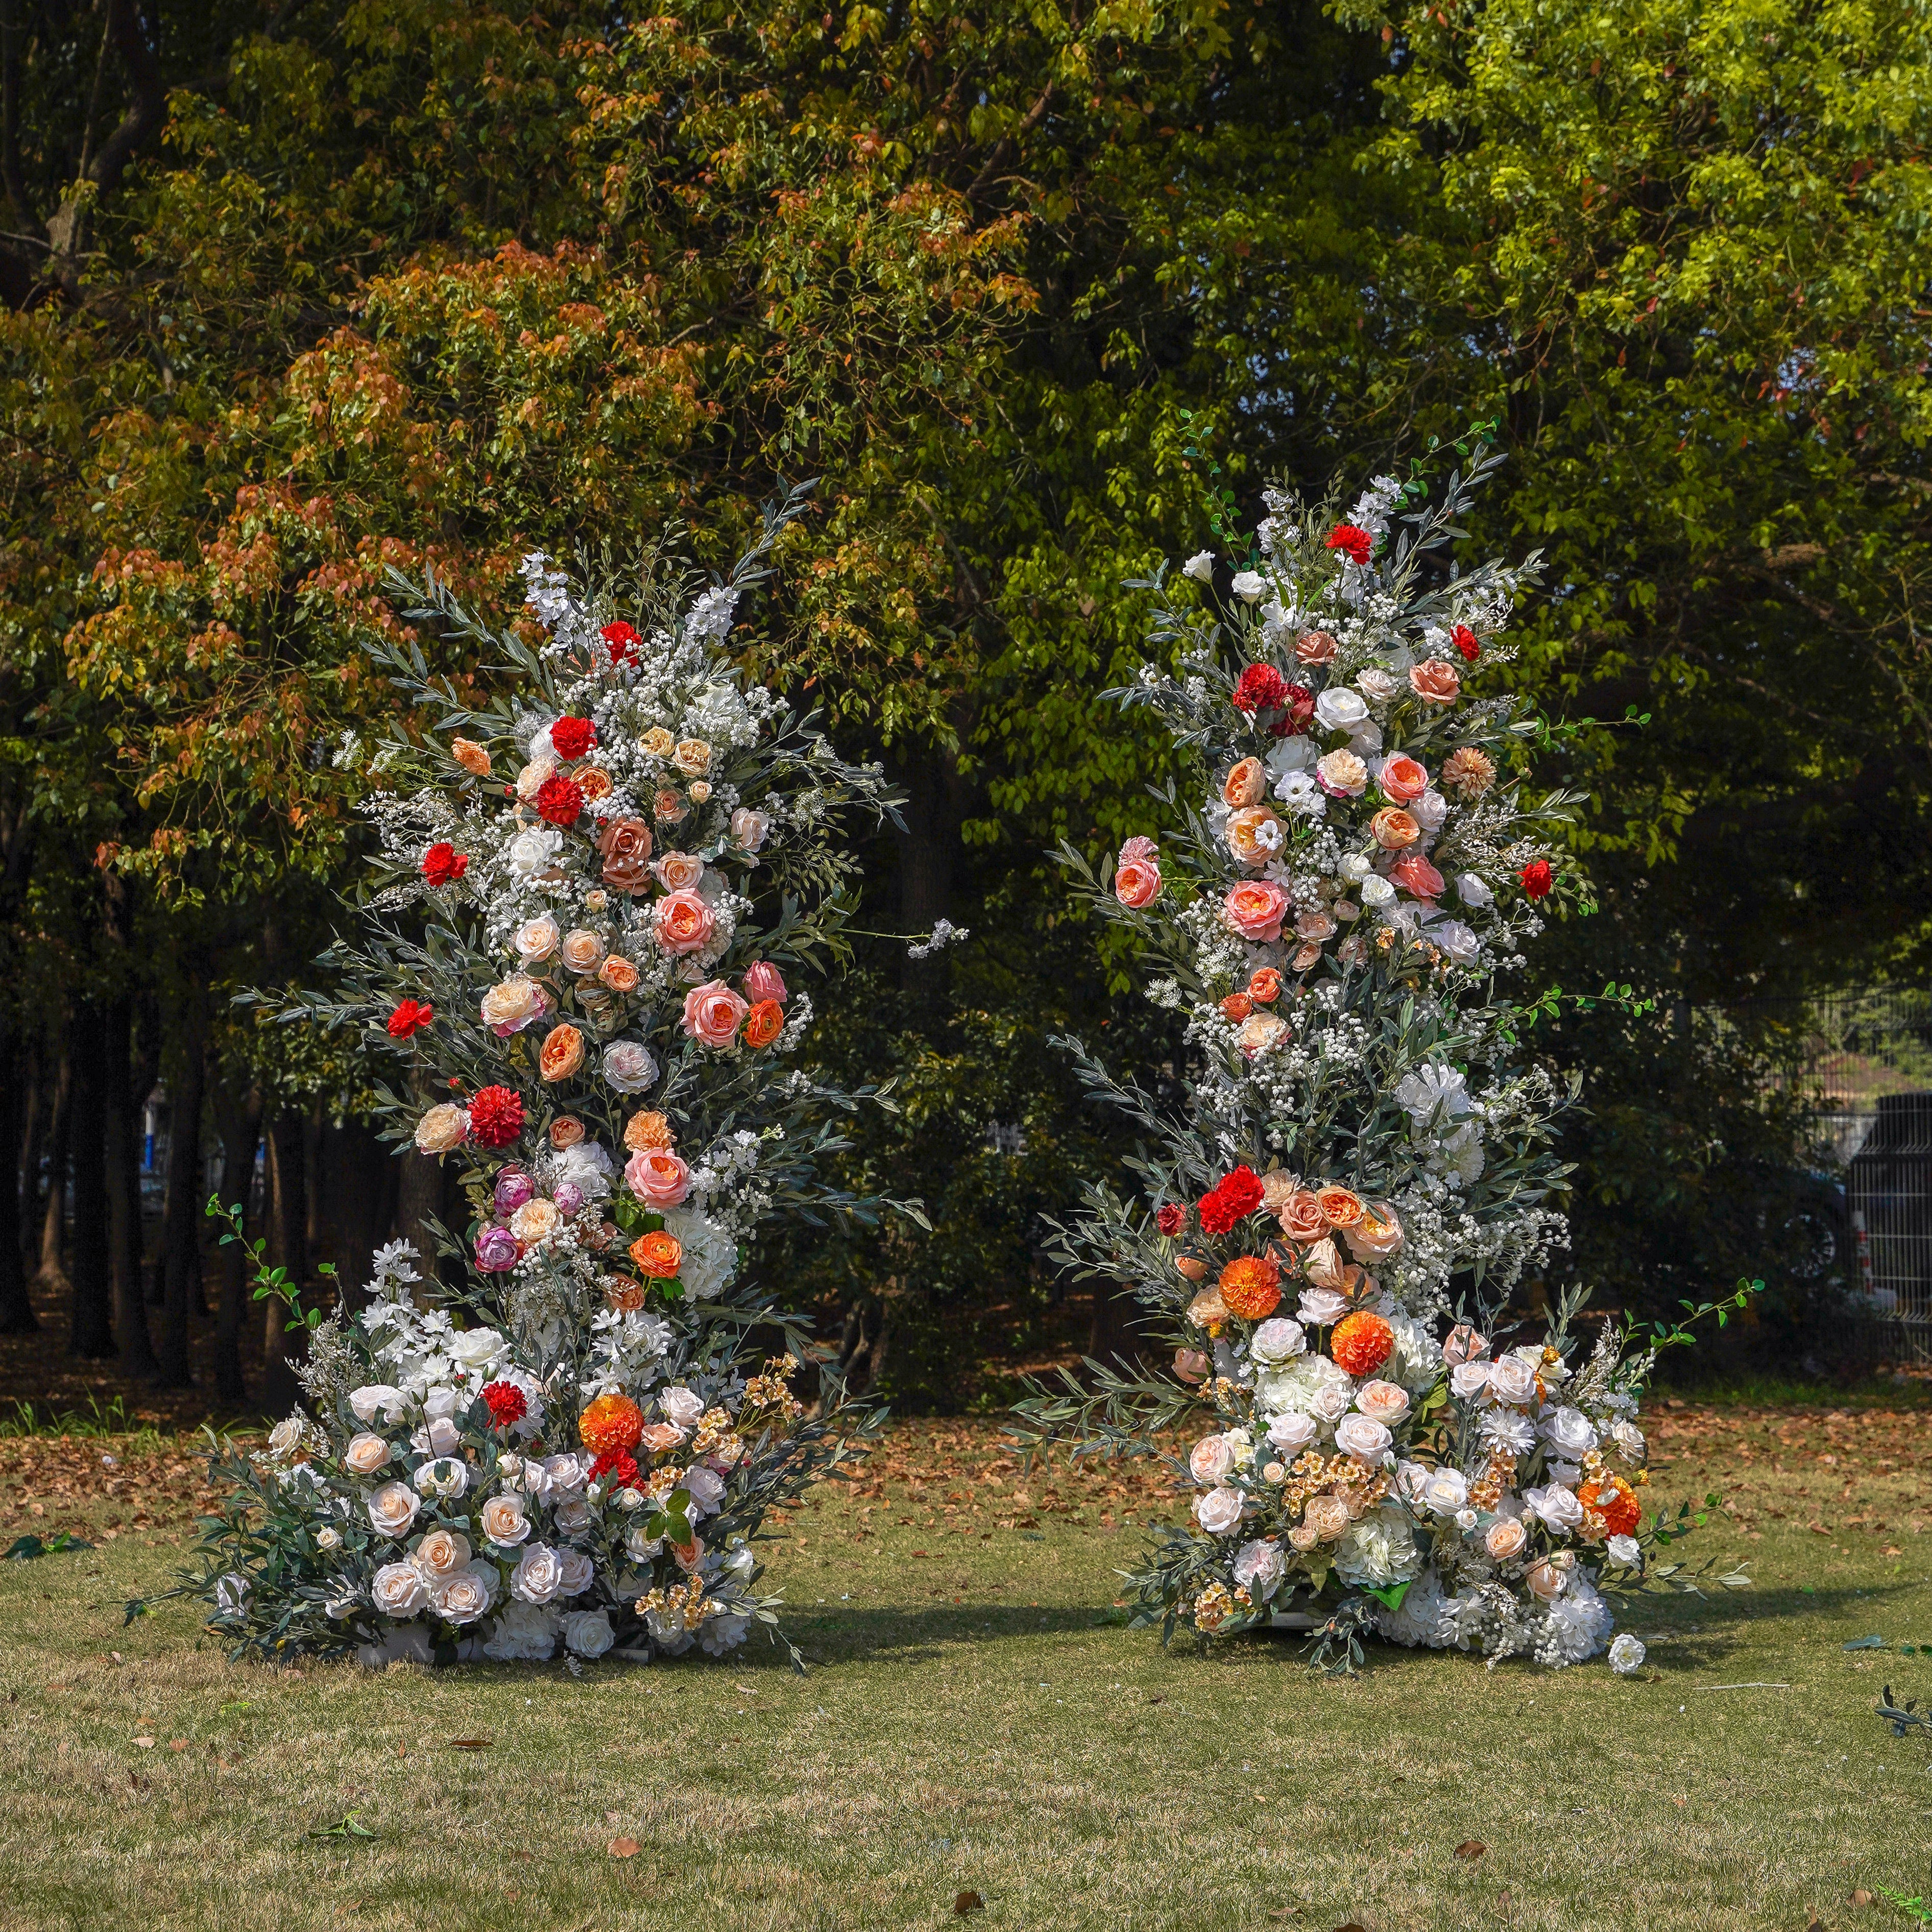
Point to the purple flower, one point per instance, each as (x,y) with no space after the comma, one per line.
(496,1250)
(513,1188)
(569,1197)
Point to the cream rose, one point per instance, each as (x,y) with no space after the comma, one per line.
(1511,1380)
(1327,1517)
(538,1575)
(750,828)
(399,1589)
(1211,1459)
(1219,1511)
(514,1003)
(1546,1580)
(1362,1437)
(441,1129)
(535,1221)
(375,1399)
(1504,1538)
(504,1521)
(1383,1402)
(366,1454)
(392,1509)
(536,939)
(577,1571)
(1341,775)
(1445,1491)
(629,1066)
(692,756)
(466,1596)
(442,1553)
(584,950)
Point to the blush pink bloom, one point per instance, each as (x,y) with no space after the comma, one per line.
(1462,1344)
(1137,883)
(1435,681)
(1341,775)
(713,1013)
(678,872)
(1417,876)
(658,1178)
(1403,779)
(683,922)
(763,981)
(1255,908)
(1136,847)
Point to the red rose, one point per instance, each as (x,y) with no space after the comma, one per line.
(1353,544)
(507,1403)
(1234,1198)
(1170,1218)
(622,640)
(1297,711)
(1464,639)
(496,1116)
(1538,878)
(1262,688)
(443,863)
(410,1016)
(560,800)
(618,1461)
(573,737)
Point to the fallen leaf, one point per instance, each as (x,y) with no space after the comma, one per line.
(1160,1697)
(1860,1897)
(613,1817)
(1505,1899)
(177,1744)
(1470,1850)
(968,1902)
(469,1743)
(623,1848)
(145,1744)
(1353,1925)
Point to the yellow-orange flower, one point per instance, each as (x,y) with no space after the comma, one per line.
(1250,1287)
(1362,1342)
(611,1424)
(763,1023)
(647,1132)
(1616,1502)
(562,1053)
(470,756)
(594,782)
(1339,1208)
(657,1255)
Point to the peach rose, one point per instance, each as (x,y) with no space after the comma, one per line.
(530,779)
(692,756)
(624,845)
(763,981)
(679,871)
(713,1013)
(1469,772)
(536,939)
(1385,1402)
(443,1553)
(1341,775)
(1417,876)
(1137,884)
(658,1178)
(511,1004)
(1340,1208)
(471,756)
(594,782)
(1255,908)
(656,742)
(1315,647)
(584,950)
(1377,1234)
(683,922)
(1254,835)
(619,974)
(1393,829)
(646,1131)
(504,1521)
(365,1454)
(1403,779)
(1315,925)
(562,1053)
(1545,1580)
(1327,1517)
(535,1221)
(763,1023)
(748,827)
(1434,682)
(1322,1264)
(1505,1538)
(441,1129)
(1463,1344)
(668,809)
(1300,1216)
(1259,1032)
(565,1131)
(1246,785)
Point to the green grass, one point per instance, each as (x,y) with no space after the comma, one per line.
(976,1719)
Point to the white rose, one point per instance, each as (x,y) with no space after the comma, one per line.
(438,1437)
(1468,1380)
(1411,1481)
(465,1597)
(447,1476)
(564,1473)
(1259,1568)
(365,1454)
(1512,1380)
(1629,1439)
(1626,1550)
(1330,1403)
(578,1572)
(679,1406)
(1210,1459)
(442,1553)
(706,1489)
(392,1509)
(286,1436)
(1248,585)
(1292,1433)
(1626,1655)
(1471,891)
(532,850)
(572,1515)
(749,828)
(1219,1511)
(1430,810)
(629,1067)
(1339,709)
(504,1521)
(1376,684)
(1446,1491)
(1554,1507)
(1569,1431)
(377,1399)
(399,1589)
(1321,1307)
(536,939)
(476,1348)
(443,1400)
(643,1547)
(1277,1338)
(539,1576)
(1365,1440)
(327,1538)
(588,1632)
(1200,566)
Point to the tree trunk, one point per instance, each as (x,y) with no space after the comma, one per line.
(238,1119)
(180,1265)
(925,863)
(33,1154)
(423,1199)
(1115,1332)
(51,1271)
(17,1304)
(121,1125)
(354,1178)
(288,1216)
(90,1259)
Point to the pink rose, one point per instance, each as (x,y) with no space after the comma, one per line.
(678,872)
(1255,908)
(763,981)
(1403,779)
(658,1178)
(713,1013)
(1417,876)
(1463,1344)
(683,921)
(1137,883)
(1436,682)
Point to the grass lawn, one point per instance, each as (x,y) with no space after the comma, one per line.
(974,1721)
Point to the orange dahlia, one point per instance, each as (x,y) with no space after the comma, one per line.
(1251,1287)
(1362,1342)
(611,1425)
(1616,1502)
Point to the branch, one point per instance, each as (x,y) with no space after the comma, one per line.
(1004,144)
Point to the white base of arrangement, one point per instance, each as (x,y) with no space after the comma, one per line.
(1294,1620)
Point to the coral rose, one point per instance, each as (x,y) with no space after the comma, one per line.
(1362,1342)
(612,1424)
(594,782)
(1254,835)
(1265,989)
(1315,647)
(683,922)
(1255,908)
(658,1255)
(562,1053)
(1250,1287)
(1246,785)
(1340,1208)
(1236,1006)
(1435,681)
(1137,883)
(713,1013)
(763,1023)
(658,1178)
(1403,780)
(1393,829)
(619,974)
(1417,876)
(1377,1234)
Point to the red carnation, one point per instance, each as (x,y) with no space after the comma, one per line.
(443,863)
(496,1116)
(560,800)
(573,737)
(1353,544)
(1262,688)
(1170,1218)
(618,1461)
(410,1016)
(1297,711)
(1538,878)
(1464,639)
(1234,1198)
(507,1403)
(622,640)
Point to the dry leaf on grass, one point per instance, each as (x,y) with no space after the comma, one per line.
(469,1743)
(623,1848)
(968,1902)
(1470,1850)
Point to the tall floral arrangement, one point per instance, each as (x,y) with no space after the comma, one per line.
(595,894)
(1362,1172)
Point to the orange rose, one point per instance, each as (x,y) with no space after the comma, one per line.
(619,974)
(1254,835)
(1339,1208)
(657,1255)
(668,808)
(645,1133)
(1315,647)
(1265,989)
(1301,1217)
(1246,785)
(1403,779)
(763,1023)
(470,756)
(562,1053)
(1377,1234)
(623,1293)
(565,1131)
(594,782)
(1236,1006)
(1393,829)
(1434,682)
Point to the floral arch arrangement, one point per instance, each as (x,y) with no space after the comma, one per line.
(1363,1170)
(594,899)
